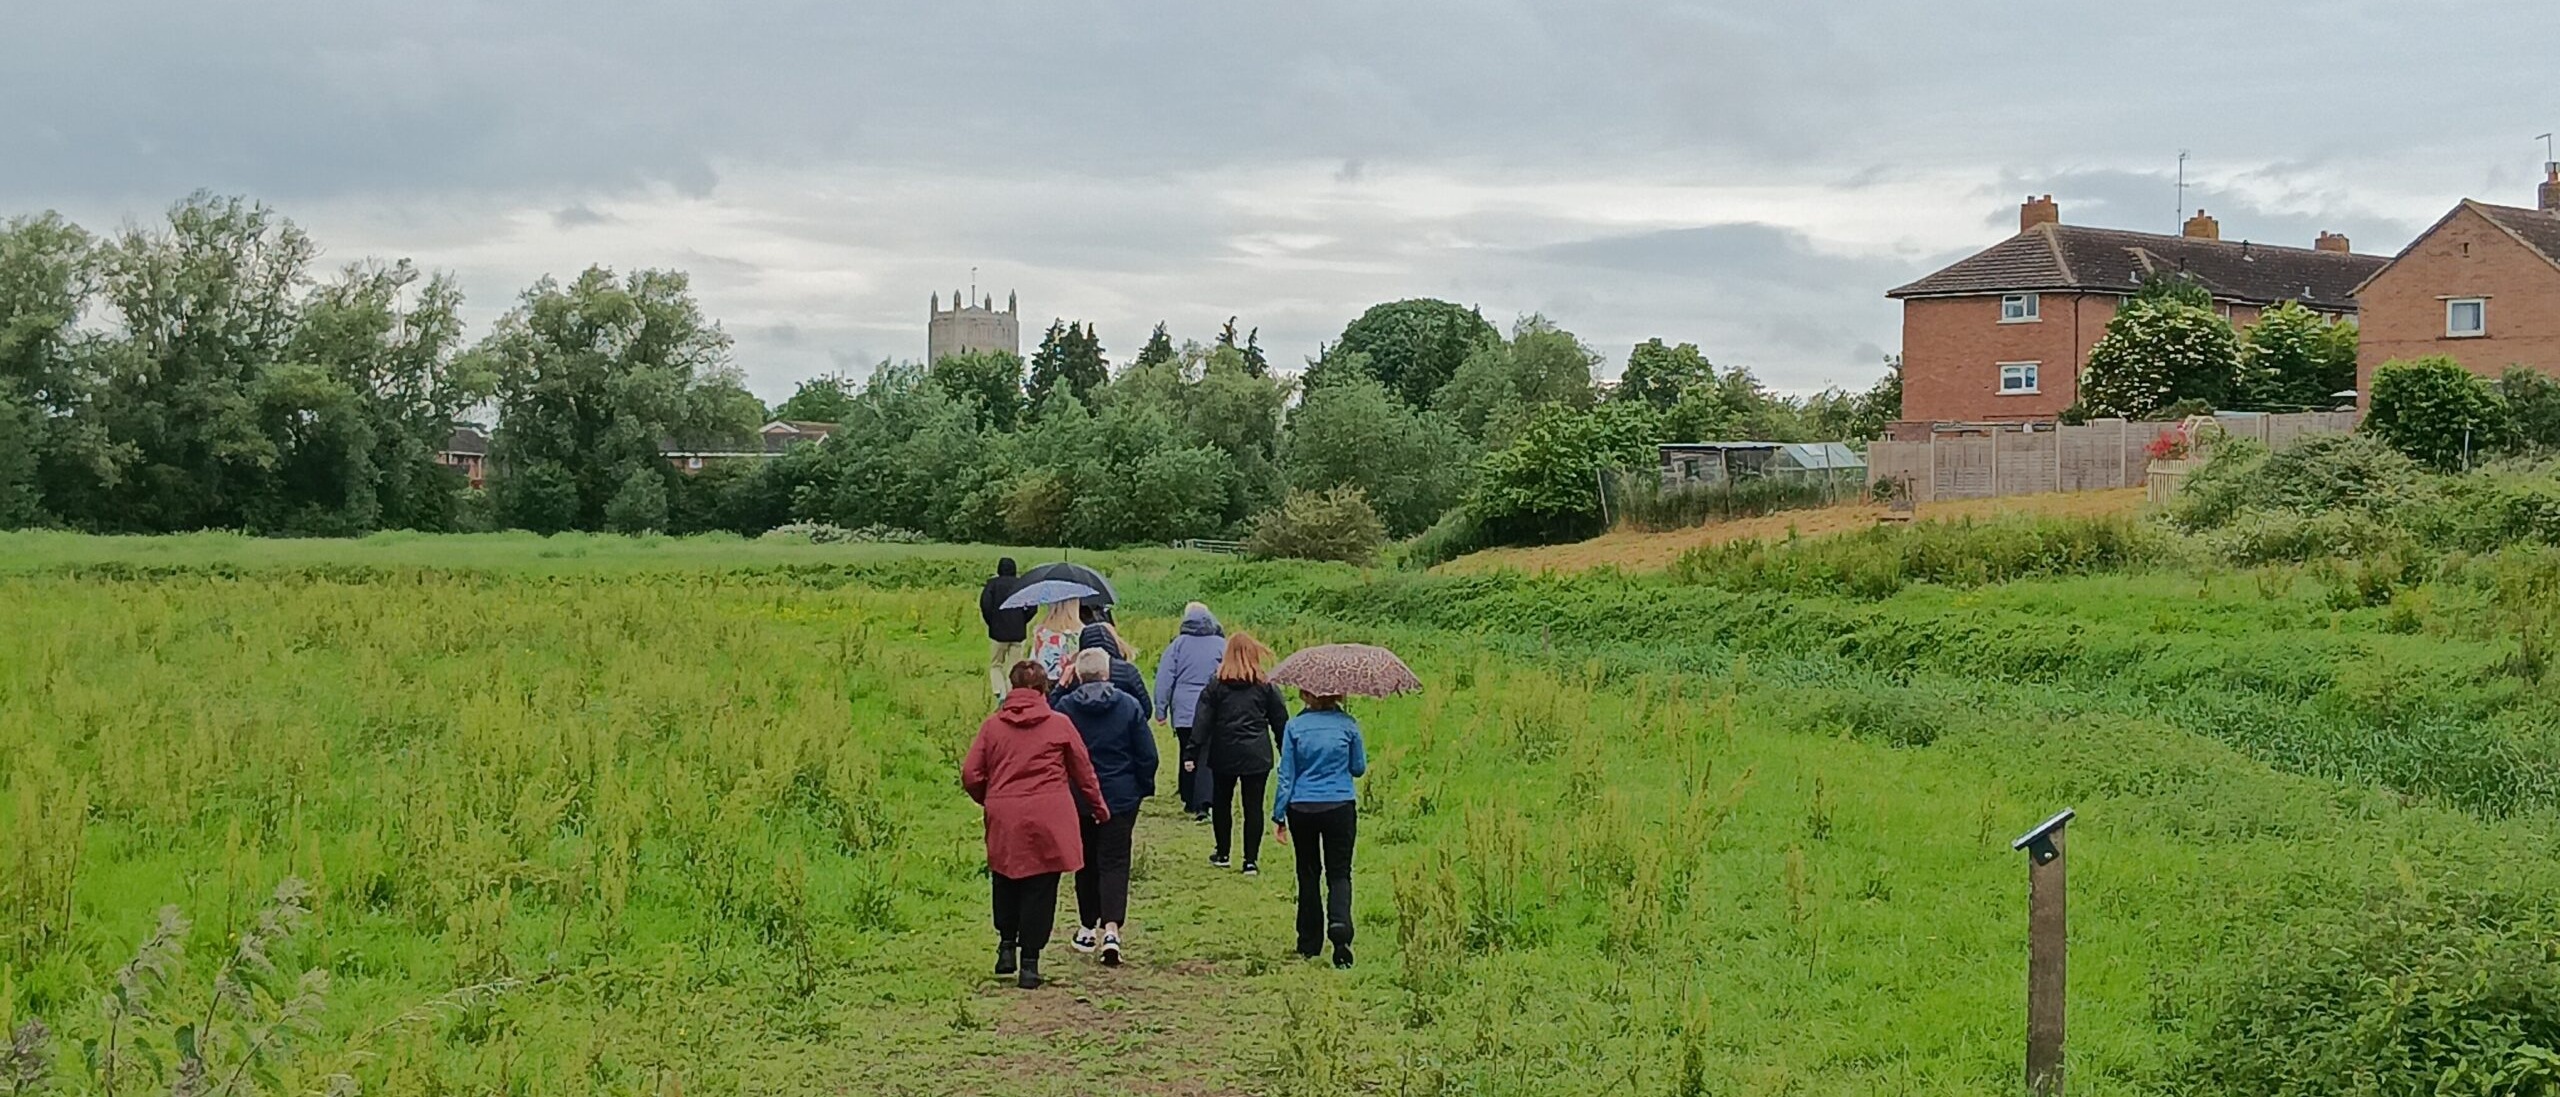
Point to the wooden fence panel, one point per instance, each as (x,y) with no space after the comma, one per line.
(1976,462)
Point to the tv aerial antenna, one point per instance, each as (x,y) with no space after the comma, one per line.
(2179,217)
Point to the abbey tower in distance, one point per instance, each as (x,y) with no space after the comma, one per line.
(972,327)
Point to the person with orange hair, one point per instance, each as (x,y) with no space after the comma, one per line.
(1237,722)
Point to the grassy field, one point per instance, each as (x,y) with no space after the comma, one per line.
(600,815)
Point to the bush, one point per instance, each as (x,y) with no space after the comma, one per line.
(2437,412)
(1333,525)
(2266,537)
(1643,502)
(821,533)
(2533,409)
(2317,474)
(1545,486)
(640,504)
(2158,352)
(1881,561)
(2416,997)
(1453,536)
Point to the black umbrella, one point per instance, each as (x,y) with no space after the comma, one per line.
(1075,573)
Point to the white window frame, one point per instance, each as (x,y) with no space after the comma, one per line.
(2480,308)
(693,464)
(2030,309)
(2031,372)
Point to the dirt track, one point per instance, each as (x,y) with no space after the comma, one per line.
(1648,551)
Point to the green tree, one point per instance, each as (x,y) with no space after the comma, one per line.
(2533,405)
(2158,350)
(640,504)
(1159,348)
(1069,357)
(2437,412)
(1658,375)
(48,272)
(1545,486)
(1412,347)
(820,399)
(1500,385)
(2294,359)
(391,337)
(1412,465)
(594,377)
(988,382)
(1337,524)
(1249,350)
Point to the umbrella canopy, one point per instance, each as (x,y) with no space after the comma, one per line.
(1346,670)
(1103,594)
(1046,591)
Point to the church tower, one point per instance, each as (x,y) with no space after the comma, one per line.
(972,326)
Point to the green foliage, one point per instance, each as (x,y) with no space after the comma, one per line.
(1412,465)
(1159,348)
(1660,375)
(2435,411)
(1881,561)
(2411,995)
(2533,408)
(1413,347)
(1248,350)
(989,383)
(1640,500)
(1069,358)
(640,504)
(1337,524)
(1545,485)
(2294,359)
(1502,384)
(2319,473)
(2160,348)
(595,378)
(823,399)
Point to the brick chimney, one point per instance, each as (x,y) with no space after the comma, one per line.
(2038,211)
(2550,194)
(2331,241)
(2204,228)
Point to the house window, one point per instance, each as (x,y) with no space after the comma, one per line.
(2017,378)
(2018,308)
(693,463)
(2466,316)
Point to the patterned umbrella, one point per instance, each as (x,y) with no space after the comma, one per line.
(1346,670)
(1046,591)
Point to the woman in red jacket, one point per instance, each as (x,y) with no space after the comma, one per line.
(1022,767)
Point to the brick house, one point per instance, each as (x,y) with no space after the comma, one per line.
(2482,286)
(2001,335)
(467,450)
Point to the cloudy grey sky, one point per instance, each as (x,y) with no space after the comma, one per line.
(1749,176)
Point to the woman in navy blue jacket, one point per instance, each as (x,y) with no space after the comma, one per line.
(1114,728)
(1319,756)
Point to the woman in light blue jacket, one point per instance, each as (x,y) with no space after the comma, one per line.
(1181,673)
(1320,754)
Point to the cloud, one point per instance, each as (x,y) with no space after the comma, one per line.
(1748,176)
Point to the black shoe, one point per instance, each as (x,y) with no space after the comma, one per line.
(1005,958)
(1341,955)
(1030,977)
(1251,869)
(1308,950)
(1217,860)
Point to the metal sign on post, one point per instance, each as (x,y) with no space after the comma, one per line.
(2045,939)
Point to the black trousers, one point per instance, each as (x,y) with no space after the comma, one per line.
(1025,909)
(1193,782)
(1102,885)
(1225,812)
(1322,840)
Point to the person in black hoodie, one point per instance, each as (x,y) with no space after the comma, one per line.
(1006,628)
(1237,723)
(1099,636)
(1124,759)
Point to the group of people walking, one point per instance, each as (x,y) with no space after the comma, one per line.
(1067,759)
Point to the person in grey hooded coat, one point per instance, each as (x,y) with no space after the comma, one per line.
(1186,667)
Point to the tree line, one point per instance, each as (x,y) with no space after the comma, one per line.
(202,372)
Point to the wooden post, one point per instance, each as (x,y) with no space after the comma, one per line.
(2046,985)
(1995,460)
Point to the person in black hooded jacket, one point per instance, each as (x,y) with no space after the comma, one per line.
(1124,674)
(1238,723)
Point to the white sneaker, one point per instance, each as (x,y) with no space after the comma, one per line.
(1111,950)
(1083,941)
